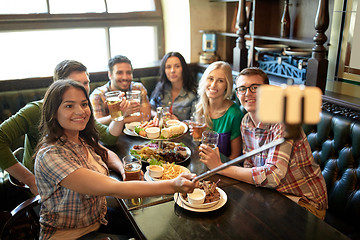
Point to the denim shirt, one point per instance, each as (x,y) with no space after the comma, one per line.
(182,106)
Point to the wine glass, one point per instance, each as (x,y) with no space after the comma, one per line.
(210,138)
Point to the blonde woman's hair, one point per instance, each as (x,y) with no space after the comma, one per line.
(202,107)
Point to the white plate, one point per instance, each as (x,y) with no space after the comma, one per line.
(188,152)
(206,205)
(298,52)
(223,200)
(147,177)
(270,48)
(130,133)
(150,179)
(186,129)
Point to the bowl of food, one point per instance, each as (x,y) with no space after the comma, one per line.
(131,126)
(155,171)
(182,150)
(170,123)
(152,132)
(197,197)
(212,195)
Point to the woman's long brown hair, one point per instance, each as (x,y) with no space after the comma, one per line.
(49,127)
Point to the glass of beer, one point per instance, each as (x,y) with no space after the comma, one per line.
(132,167)
(210,138)
(134,96)
(113,101)
(198,125)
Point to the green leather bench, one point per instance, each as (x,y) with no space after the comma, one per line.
(335,142)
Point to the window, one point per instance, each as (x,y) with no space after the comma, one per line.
(91,32)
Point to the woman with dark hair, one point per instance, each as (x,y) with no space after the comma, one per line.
(176,89)
(71,169)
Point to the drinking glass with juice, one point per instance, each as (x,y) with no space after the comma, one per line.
(198,125)
(113,101)
(132,167)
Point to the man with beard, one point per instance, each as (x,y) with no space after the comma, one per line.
(120,75)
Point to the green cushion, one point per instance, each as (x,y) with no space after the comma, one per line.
(335,142)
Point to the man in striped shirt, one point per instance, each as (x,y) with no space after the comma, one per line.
(289,168)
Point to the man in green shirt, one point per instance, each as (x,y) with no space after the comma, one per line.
(26,121)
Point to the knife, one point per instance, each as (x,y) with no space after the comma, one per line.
(159,111)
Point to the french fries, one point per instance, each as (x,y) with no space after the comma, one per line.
(171,171)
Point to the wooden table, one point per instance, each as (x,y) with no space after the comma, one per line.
(250,212)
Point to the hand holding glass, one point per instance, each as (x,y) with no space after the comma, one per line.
(113,101)
(198,125)
(210,138)
(134,97)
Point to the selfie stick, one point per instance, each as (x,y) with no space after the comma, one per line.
(293,101)
(239,159)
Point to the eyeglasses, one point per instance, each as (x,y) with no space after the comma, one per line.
(242,90)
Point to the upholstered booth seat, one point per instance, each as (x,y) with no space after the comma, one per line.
(335,142)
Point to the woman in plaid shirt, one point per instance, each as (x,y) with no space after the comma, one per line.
(289,168)
(71,168)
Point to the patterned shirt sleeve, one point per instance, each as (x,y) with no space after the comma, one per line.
(54,162)
(98,102)
(268,167)
(275,168)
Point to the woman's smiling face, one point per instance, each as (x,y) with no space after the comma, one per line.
(74,112)
(216,84)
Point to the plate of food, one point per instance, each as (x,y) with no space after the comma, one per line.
(150,130)
(171,152)
(130,127)
(169,171)
(215,198)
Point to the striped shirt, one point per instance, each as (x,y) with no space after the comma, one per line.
(289,168)
(62,208)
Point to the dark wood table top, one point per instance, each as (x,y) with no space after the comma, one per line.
(249,213)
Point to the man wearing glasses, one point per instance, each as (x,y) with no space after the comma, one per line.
(120,75)
(289,168)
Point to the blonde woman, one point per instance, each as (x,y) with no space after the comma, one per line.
(222,115)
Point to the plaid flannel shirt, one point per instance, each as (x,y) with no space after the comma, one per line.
(61,207)
(289,168)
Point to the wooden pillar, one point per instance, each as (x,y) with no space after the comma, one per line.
(318,64)
(240,52)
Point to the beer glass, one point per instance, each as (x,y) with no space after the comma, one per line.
(134,96)
(113,101)
(198,125)
(132,167)
(210,138)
